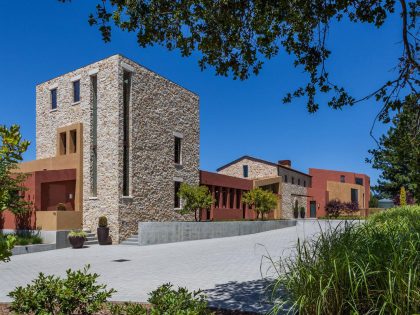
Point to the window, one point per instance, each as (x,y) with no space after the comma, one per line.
(298,181)
(293,180)
(178,149)
(76,91)
(94,131)
(342,178)
(359,181)
(177,199)
(73,141)
(126,132)
(304,183)
(354,195)
(54,99)
(63,143)
(285,178)
(245,170)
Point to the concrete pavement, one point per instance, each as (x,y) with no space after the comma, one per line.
(228,269)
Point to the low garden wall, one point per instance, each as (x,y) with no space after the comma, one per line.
(170,232)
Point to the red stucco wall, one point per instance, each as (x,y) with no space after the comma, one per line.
(318,191)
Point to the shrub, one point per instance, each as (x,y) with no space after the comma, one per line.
(61,207)
(77,233)
(373,202)
(403,195)
(78,293)
(6,246)
(369,268)
(103,221)
(335,207)
(166,300)
(302,212)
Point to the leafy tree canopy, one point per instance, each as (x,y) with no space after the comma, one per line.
(235,36)
(398,154)
(11,149)
(194,198)
(263,201)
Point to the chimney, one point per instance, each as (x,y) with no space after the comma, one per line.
(286,163)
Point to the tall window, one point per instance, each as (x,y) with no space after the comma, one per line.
(53,98)
(63,143)
(298,181)
(342,178)
(94,133)
(304,183)
(73,141)
(293,180)
(285,178)
(178,150)
(245,170)
(177,199)
(76,91)
(354,195)
(126,132)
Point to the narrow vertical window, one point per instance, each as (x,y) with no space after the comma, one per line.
(293,180)
(73,141)
(245,170)
(178,150)
(53,98)
(342,179)
(354,195)
(76,91)
(299,181)
(94,132)
(304,183)
(126,132)
(177,199)
(63,143)
(285,178)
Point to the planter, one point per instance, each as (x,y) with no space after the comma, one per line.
(77,241)
(296,214)
(103,235)
(302,214)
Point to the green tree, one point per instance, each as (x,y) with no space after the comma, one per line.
(11,183)
(6,246)
(263,201)
(403,195)
(194,198)
(237,36)
(398,153)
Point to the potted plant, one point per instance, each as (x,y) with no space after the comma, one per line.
(302,212)
(77,238)
(103,231)
(61,207)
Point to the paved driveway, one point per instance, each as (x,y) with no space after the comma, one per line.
(227,268)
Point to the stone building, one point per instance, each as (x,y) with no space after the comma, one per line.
(131,136)
(292,184)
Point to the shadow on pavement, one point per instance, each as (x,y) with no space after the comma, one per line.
(249,296)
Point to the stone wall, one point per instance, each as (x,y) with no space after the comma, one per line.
(159,108)
(290,193)
(255,169)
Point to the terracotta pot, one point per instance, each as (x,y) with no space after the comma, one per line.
(103,235)
(77,241)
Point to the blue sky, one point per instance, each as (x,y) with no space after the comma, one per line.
(43,39)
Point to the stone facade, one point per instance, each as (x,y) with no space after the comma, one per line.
(255,169)
(158,109)
(294,184)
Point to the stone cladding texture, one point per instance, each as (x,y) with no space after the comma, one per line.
(289,192)
(158,109)
(255,169)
